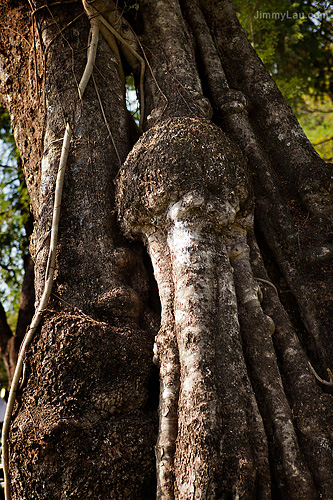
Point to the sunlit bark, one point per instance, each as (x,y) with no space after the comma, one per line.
(244,299)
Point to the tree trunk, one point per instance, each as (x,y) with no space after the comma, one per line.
(242,269)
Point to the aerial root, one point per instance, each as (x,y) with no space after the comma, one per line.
(266,282)
(321,380)
(50,266)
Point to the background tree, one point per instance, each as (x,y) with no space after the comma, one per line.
(295,41)
(16,266)
(232,203)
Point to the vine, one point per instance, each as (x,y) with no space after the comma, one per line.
(97,22)
(49,274)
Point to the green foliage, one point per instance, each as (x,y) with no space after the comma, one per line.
(295,42)
(316,118)
(128,5)
(14,214)
(132,5)
(132,101)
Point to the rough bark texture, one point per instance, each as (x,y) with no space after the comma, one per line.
(243,273)
(184,203)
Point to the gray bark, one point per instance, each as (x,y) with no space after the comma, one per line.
(237,413)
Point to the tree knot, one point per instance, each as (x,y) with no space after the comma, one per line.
(182,166)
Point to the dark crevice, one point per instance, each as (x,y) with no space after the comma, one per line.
(153,390)
(153,301)
(286,296)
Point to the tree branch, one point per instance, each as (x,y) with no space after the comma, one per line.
(27,299)
(5,331)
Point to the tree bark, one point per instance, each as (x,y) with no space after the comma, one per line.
(244,292)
